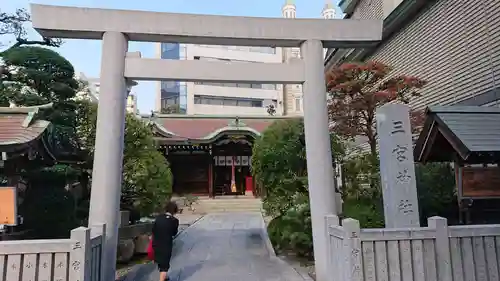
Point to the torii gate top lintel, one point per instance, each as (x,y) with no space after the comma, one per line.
(91,23)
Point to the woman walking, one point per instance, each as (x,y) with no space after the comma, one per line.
(165,228)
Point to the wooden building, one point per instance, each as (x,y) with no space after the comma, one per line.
(210,155)
(469,138)
(22,142)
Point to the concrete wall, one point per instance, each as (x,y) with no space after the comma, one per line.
(292,93)
(193,89)
(94,86)
(207,109)
(369,9)
(454,46)
(288,99)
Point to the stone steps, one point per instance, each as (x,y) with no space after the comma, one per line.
(228,205)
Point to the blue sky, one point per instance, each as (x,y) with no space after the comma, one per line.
(85,55)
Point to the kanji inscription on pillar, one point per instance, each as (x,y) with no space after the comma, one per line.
(397,167)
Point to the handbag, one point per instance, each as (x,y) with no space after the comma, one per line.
(151,252)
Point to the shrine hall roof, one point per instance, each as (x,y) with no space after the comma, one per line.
(206,128)
(467,133)
(19,125)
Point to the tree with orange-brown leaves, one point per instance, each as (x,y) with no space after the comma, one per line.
(356,90)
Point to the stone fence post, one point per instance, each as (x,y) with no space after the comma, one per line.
(352,250)
(79,257)
(442,244)
(100,230)
(333,256)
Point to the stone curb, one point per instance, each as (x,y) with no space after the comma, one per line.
(302,272)
(132,273)
(272,253)
(265,237)
(194,222)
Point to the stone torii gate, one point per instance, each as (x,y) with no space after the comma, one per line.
(117,27)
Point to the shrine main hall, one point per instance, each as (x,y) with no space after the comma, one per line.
(210,155)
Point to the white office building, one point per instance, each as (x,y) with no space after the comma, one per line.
(232,99)
(93,89)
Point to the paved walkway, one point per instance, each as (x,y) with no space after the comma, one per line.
(222,247)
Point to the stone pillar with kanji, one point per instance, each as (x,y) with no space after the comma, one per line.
(397,167)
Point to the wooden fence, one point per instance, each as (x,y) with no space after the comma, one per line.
(435,253)
(75,259)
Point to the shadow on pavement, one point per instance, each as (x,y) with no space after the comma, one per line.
(185,272)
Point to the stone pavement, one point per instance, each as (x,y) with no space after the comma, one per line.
(224,247)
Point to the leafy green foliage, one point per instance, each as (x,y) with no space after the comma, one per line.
(359,171)
(361,190)
(33,76)
(435,186)
(37,76)
(279,164)
(86,118)
(147,179)
(369,212)
(292,231)
(49,213)
(436,191)
(48,207)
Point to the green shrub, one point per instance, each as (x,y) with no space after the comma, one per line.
(436,192)
(279,167)
(369,212)
(147,178)
(48,208)
(279,164)
(361,177)
(292,231)
(435,187)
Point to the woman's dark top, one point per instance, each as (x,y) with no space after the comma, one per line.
(165,228)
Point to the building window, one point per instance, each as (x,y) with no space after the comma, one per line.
(236,85)
(239,85)
(265,50)
(298,104)
(256,103)
(166,102)
(170,51)
(228,101)
(169,85)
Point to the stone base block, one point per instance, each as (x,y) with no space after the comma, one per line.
(142,243)
(125,251)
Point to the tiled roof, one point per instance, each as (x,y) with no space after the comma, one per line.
(203,128)
(472,131)
(18,126)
